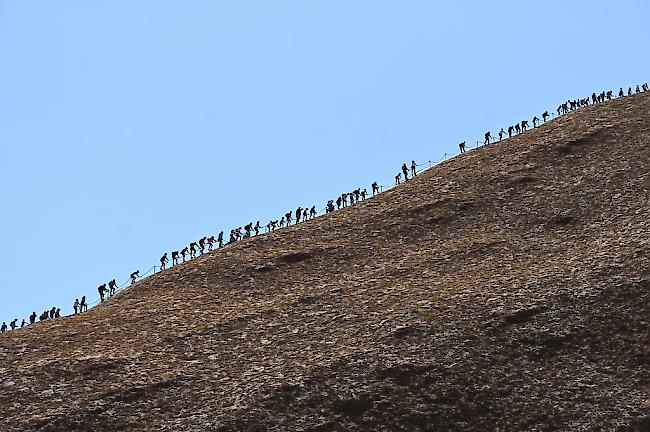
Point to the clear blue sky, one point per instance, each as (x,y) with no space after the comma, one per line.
(130,128)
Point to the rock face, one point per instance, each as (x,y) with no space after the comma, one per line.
(505,289)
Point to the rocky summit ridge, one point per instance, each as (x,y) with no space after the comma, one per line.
(505,289)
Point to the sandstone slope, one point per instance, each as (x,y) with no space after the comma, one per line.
(505,289)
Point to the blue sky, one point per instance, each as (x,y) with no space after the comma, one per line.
(130,128)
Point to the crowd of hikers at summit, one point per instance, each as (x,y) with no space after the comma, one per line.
(304,214)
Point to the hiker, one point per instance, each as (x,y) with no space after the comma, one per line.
(220,239)
(112,286)
(413,169)
(75,306)
(184,252)
(620,92)
(510,130)
(52,312)
(83,305)
(101,289)
(645,87)
(298,214)
(629,91)
(174,258)
(524,125)
(32,317)
(405,170)
(535,121)
(518,128)
(202,245)
(192,249)
(57,313)
(594,98)
(364,194)
(23,324)
(637,89)
(501,133)
(163,260)
(488,137)
(289,218)
(375,188)
(398,177)
(257,228)
(3,328)
(461,146)
(282,222)
(43,316)
(545,115)
(329,208)
(13,324)
(344,197)
(133,276)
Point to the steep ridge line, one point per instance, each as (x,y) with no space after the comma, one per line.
(505,289)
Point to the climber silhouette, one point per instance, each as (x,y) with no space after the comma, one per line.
(501,133)
(202,245)
(192,249)
(312,212)
(545,115)
(32,317)
(257,228)
(510,130)
(488,137)
(220,239)
(517,128)
(405,170)
(13,324)
(83,305)
(211,242)
(184,252)
(375,188)
(112,286)
(398,177)
(3,328)
(524,125)
(413,169)
(298,214)
(75,306)
(23,324)
(461,146)
(174,258)
(133,276)
(163,260)
(535,121)
(101,289)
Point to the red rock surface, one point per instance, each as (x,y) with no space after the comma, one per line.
(505,289)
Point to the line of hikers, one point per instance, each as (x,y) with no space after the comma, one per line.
(55,312)
(563,108)
(303,214)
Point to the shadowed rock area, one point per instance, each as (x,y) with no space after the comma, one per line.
(505,289)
